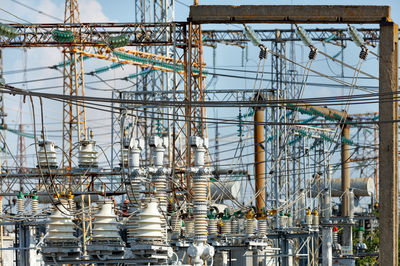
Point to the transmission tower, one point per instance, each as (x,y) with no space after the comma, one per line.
(74,116)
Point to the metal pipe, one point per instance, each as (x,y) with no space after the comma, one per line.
(259,162)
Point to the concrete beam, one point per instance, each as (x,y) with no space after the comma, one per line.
(288,14)
(388,144)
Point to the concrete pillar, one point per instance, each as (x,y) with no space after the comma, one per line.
(327,240)
(345,151)
(345,160)
(259,158)
(388,144)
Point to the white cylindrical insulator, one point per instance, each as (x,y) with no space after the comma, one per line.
(20,205)
(61,227)
(149,224)
(189,228)
(335,237)
(175,224)
(289,221)
(134,192)
(47,157)
(262,226)
(249,226)
(316,220)
(105,223)
(200,204)
(226,227)
(87,154)
(309,219)
(72,205)
(34,206)
(235,226)
(283,221)
(160,183)
(212,227)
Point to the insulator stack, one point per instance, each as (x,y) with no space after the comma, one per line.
(262,226)
(309,218)
(249,226)
(335,237)
(289,221)
(315,218)
(175,224)
(132,226)
(87,154)
(72,205)
(226,227)
(34,206)
(47,157)
(160,184)
(61,227)
(149,224)
(189,228)
(200,204)
(235,226)
(212,227)
(105,224)
(20,205)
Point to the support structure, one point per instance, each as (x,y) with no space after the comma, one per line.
(388,86)
(259,158)
(74,117)
(388,144)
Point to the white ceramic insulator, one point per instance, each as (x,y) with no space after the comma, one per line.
(309,219)
(134,193)
(262,226)
(61,227)
(283,221)
(34,206)
(149,223)
(105,223)
(72,205)
(1,205)
(235,226)
(175,224)
(47,156)
(249,226)
(189,228)
(160,183)
(290,222)
(87,155)
(316,220)
(335,237)
(212,226)
(20,205)
(226,227)
(200,207)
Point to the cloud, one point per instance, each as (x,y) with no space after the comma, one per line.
(91,11)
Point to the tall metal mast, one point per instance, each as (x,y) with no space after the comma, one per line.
(74,116)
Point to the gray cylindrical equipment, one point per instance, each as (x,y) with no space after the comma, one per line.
(47,157)
(227,191)
(327,210)
(87,154)
(362,187)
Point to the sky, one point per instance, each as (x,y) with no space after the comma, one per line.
(124,11)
